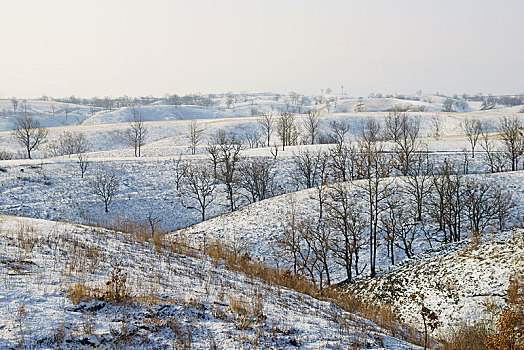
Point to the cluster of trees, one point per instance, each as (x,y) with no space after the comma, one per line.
(433,200)
(247,180)
(290,131)
(240,179)
(500,155)
(453,105)
(401,191)
(191,99)
(489,102)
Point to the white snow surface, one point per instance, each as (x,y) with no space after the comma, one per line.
(459,281)
(51,188)
(40,261)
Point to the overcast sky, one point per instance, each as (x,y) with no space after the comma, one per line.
(139,47)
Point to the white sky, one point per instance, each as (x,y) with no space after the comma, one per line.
(138,47)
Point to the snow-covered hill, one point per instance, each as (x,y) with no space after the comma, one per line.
(459,281)
(49,268)
(48,113)
(258,227)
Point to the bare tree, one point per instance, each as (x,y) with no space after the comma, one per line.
(344,216)
(338,131)
(180,167)
(312,125)
(24,107)
(287,129)
(200,188)
(289,241)
(228,163)
(83,163)
(343,159)
(230,100)
(212,151)
(28,133)
(274,151)
(311,167)
(137,132)
(257,178)
(374,167)
(67,110)
(105,185)
(250,135)
(448,105)
(322,239)
(436,126)
(294,97)
(307,260)
(267,122)
(495,159)
(447,203)
(479,204)
(417,182)
(68,144)
(14,102)
(512,134)
(398,225)
(403,131)
(153,221)
(195,134)
(504,204)
(473,130)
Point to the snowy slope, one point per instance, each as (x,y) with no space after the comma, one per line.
(258,226)
(174,300)
(459,281)
(48,113)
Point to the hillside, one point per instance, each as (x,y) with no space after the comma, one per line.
(258,227)
(461,282)
(51,273)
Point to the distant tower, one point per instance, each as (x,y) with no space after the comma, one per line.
(342,90)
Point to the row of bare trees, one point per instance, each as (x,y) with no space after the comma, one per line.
(290,132)
(510,149)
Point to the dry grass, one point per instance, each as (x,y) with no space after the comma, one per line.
(140,232)
(115,290)
(80,292)
(383,315)
(468,337)
(237,259)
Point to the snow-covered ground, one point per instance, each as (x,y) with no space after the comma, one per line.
(175,300)
(461,281)
(250,228)
(51,188)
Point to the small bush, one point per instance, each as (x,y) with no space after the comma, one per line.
(116,290)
